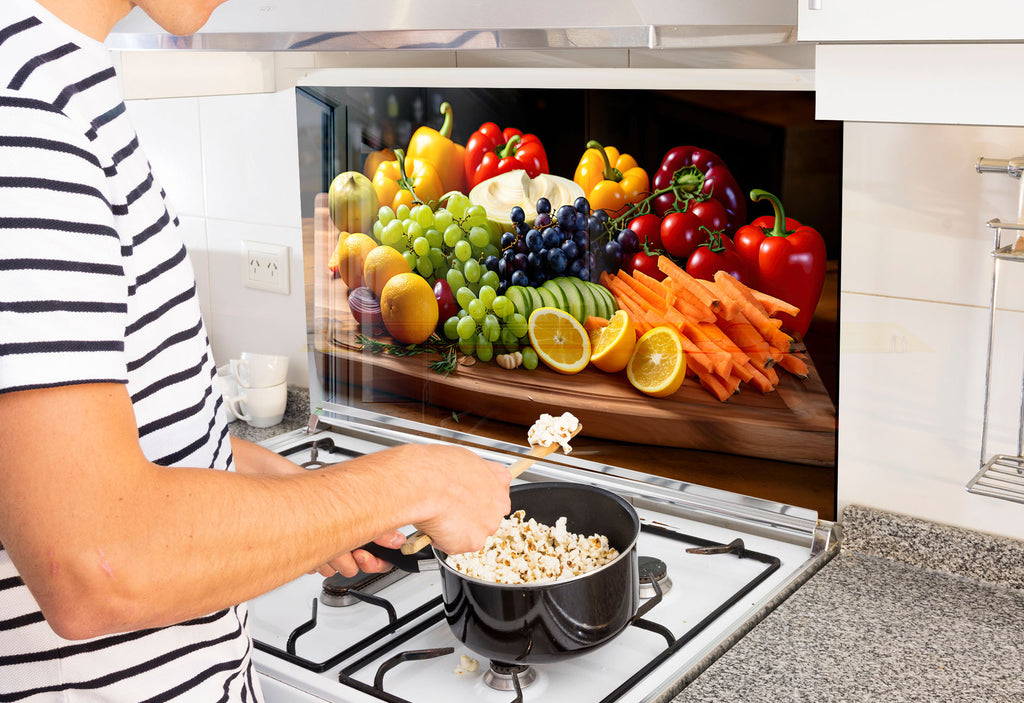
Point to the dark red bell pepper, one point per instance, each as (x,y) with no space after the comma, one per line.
(691,172)
(786,259)
(491,151)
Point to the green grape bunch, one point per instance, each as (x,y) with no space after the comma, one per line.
(486,324)
(450,243)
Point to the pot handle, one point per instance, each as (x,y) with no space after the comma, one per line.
(651,602)
(416,562)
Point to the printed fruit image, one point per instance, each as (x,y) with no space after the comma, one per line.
(352,201)
(409,308)
(350,256)
(658,364)
(559,340)
(612,345)
(383,263)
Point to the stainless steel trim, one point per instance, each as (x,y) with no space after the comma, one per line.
(623,37)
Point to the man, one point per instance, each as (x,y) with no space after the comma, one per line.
(124,556)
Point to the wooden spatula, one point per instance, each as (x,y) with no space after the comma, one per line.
(418,540)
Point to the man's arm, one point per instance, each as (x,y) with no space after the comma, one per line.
(107,541)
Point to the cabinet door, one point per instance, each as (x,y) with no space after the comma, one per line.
(910,20)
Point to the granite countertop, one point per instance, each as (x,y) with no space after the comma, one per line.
(296,415)
(907,611)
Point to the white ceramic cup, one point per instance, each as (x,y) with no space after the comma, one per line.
(259,370)
(228,388)
(260,407)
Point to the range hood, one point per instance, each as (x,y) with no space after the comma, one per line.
(466,25)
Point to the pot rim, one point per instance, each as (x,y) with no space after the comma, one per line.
(441,556)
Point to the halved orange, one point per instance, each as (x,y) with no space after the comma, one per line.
(612,345)
(658,364)
(559,340)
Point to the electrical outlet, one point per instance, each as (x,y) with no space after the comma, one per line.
(265,266)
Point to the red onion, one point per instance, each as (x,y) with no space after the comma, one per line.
(365,307)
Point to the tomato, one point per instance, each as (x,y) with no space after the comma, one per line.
(717,255)
(712,213)
(681,234)
(648,229)
(646,263)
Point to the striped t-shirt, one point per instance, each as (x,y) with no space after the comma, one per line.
(95,286)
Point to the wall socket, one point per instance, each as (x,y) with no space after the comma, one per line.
(265,266)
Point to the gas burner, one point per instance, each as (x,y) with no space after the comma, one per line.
(651,567)
(502,677)
(340,591)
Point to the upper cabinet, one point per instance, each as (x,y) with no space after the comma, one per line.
(914,61)
(909,20)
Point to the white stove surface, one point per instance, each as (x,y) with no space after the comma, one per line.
(700,584)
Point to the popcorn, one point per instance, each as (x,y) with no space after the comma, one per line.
(525,551)
(550,430)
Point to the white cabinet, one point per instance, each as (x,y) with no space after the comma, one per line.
(910,20)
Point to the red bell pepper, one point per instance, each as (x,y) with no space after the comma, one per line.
(786,259)
(690,173)
(491,151)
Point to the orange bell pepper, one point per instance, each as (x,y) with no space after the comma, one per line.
(406,181)
(610,180)
(437,148)
(375,159)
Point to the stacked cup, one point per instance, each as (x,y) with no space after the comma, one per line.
(262,393)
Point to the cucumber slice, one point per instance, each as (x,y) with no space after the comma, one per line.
(573,300)
(602,294)
(556,291)
(589,305)
(534,299)
(547,298)
(517,295)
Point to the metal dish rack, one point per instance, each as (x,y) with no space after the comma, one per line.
(1001,475)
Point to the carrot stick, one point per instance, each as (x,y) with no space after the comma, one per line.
(772,305)
(729,309)
(692,308)
(748,339)
(721,359)
(653,283)
(713,385)
(759,380)
(635,312)
(620,288)
(652,299)
(755,314)
(794,365)
(724,342)
(685,280)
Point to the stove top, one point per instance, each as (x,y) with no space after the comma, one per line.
(384,637)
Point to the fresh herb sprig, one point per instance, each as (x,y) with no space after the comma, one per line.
(444,366)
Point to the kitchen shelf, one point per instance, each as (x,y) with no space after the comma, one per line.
(1002,475)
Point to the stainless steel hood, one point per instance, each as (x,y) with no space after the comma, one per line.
(466,25)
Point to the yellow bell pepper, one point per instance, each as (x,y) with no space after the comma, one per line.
(375,159)
(437,148)
(406,181)
(611,181)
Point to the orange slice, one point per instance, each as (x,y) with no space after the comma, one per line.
(614,343)
(559,340)
(658,364)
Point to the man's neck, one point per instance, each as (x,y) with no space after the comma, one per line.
(94,18)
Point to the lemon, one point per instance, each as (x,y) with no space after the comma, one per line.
(658,364)
(380,265)
(614,343)
(350,256)
(559,340)
(409,308)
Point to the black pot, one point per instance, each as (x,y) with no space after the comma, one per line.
(544,622)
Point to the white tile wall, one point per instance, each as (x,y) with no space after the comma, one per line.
(916,282)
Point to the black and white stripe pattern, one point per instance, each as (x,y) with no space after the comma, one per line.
(95,286)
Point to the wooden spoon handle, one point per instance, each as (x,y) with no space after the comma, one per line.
(418,540)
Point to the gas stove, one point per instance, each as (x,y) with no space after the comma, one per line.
(384,637)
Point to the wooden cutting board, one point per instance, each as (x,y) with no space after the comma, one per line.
(794,423)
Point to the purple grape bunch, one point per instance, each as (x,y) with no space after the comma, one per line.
(556,244)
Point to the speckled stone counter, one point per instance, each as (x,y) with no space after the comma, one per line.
(908,611)
(296,415)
